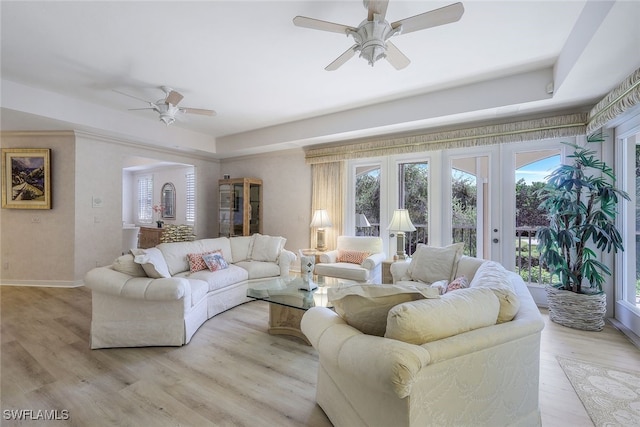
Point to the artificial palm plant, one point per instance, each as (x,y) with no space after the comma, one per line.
(581,204)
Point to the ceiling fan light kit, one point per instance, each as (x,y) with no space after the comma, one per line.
(372,35)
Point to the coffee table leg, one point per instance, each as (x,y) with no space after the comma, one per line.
(286,321)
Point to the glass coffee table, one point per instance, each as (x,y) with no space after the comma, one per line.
(287,302)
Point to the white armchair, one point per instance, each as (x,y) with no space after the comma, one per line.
(348,260)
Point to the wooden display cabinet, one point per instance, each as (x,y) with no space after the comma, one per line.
(240,207)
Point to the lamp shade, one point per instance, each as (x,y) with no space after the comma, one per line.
(320,219)
(401,221)
(362,221)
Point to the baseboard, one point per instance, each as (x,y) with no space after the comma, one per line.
(43,283)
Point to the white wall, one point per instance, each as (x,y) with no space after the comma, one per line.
(286,192)
(58,246)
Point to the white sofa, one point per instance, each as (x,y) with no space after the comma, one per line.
(488,376)
(336,263)
(132,309)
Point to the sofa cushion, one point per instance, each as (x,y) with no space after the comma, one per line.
(353,257)
(427,320)
(430,264)
(126,264)
(175,253)
(365,307)
(494,276)
(152,262)
(259,269)
(239,248)
(265,248)
(218,279)
(343,270)
(215,261)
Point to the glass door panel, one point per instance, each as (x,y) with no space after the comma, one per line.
(532,168)
(413,195)
(367,195)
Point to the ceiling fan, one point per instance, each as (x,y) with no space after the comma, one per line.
(372,35)
(168,107)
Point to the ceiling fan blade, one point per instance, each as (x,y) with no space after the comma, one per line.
(376,7)
(395,57)
(173,98)
(433,18)
(340,60)
(316,24)
(136,109)
(200,111)
(132,96)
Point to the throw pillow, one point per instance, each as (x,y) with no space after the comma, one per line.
(430,264)
(196,261)
(352,257)
(215,261)
(365,307)
(265,248)
(494,276)
(460,283)
(125,264)
(419,322)
(152,262)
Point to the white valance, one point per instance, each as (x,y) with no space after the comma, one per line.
(529,130)
(619,100)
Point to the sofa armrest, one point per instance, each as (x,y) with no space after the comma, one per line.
(399,271)
(329,256)
(374,260)
(385,364)
(111,282)
(285,259)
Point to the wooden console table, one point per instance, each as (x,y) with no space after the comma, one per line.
(150,237)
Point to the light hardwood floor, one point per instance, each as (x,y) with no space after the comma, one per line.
(232,373)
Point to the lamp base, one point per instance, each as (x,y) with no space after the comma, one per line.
(400,253)
(320,243)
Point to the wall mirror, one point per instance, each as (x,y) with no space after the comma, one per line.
(168,197)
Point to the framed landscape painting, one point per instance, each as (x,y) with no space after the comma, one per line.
(26,178)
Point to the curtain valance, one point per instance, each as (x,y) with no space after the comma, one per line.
(528,130)
(619,100)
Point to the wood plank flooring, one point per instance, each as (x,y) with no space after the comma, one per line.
(232,373)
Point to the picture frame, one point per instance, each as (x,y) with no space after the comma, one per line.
(26,178)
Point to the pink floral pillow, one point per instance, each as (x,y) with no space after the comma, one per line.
(353,257)
(196,262)
(459,283)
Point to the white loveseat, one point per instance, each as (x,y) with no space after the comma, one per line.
(132,309)
(487,376)
(357,258)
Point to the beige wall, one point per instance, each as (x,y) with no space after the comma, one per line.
(287,192)
(37,244)
(74,236)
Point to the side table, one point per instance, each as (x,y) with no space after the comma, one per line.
(386,269)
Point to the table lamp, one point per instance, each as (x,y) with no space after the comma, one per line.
(361,222)
(320,221)
(400,222)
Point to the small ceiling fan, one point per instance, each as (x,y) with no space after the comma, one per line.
(372,35)
(168,107)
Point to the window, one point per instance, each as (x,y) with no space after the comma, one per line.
(145,199)
(191,197)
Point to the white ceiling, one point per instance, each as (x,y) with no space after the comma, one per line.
(265,77)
